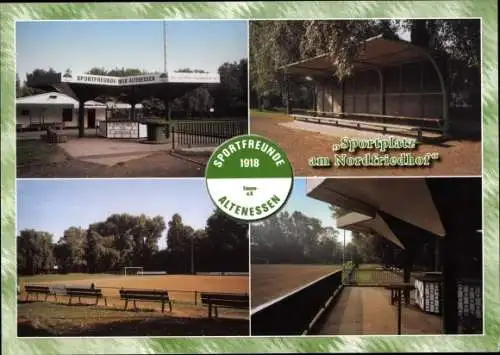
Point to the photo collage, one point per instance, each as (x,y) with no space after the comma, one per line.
(249,178)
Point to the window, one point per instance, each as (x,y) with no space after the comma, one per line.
(67,115)
(25,112)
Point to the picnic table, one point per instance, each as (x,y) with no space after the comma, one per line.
(397,290)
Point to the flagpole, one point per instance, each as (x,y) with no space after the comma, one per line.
(165,47)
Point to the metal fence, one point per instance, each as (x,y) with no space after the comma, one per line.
(178,297)
(296,312)
(206,133)
(373,276)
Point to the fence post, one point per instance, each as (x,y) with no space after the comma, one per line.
(172,128)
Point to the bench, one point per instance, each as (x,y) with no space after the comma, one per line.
(341,118)
(224,300)
(37,290)
(86,293)
(147,296)
(437,121)
(53,136)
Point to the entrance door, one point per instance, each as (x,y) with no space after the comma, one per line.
(67,115)
(91,118)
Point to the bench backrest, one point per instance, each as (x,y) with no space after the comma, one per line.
(78,291)
(38,289)
(225,299)
(144,295)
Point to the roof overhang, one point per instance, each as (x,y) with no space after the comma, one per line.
(85,86)
(358,222)
(409,200)
(375,52)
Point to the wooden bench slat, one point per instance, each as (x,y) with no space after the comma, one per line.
(358,124)
(225,300)
(146,295)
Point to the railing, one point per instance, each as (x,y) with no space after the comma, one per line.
(206,133)
(372,276)
(296,312)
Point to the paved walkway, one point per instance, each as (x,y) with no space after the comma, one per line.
(109,151)
(368,311)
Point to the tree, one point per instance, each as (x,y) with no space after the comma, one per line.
(70,250)
(189,70)
(230,97)
(277,43)
(134,237)
(179,239)
(228,241)
(274,44)
(294,238)
(18,86)
(34,252)
(23,90)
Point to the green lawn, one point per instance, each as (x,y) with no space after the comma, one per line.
(38,152)
(52,319)
(270,114)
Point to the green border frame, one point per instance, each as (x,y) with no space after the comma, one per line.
(485,9)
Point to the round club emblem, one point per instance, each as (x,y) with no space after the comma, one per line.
(249,177)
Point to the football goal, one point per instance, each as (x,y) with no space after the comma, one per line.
(132,270)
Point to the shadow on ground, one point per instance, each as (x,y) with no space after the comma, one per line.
(165,326)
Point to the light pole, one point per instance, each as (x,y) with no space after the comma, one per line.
(192,254)
(343,258)
(343,252)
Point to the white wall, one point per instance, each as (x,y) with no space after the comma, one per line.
(47,114)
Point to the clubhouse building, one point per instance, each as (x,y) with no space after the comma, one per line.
(70,100)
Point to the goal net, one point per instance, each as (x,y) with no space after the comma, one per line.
(132,270)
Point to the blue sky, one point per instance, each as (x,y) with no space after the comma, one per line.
(81,45)
(55,205)
(299,201)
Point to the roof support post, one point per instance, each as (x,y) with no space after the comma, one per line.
(444,90)
(315,94)
(342,99)
(408,266)
(437,247)
(382,90)
(288,96)
(132,111)
(449,295)
(166,103)
(81,118)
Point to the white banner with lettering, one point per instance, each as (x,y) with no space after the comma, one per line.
(173,77)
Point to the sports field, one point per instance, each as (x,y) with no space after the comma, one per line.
(182,288)
(188,317)
(272,281)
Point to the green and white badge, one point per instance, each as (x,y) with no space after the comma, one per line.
(249,177)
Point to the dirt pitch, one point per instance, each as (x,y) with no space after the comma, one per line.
(37,159)
(457,157)
(181,288)
(272,281)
